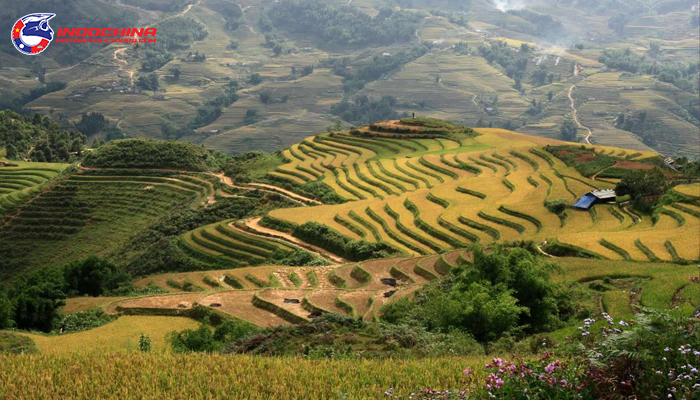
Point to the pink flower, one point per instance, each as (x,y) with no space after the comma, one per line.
(467,371)
(499,383)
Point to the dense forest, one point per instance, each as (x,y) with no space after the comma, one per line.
(37,138)
(364,110)
(344,25)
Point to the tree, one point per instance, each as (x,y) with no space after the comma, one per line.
(93,276)
(175,72)
(91,123)
(5,311)
(540,75)
(644,187)
(255,79)
(37,299)
(617,23)
(39,71)
(11,152)
(501,292)
(569,130)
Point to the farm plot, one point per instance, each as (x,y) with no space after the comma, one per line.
(425,198)
(22,180)
(96,212)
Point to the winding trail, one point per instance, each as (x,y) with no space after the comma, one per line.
(599,172)
(253,224)
(544,253)
(188,8)
(575,111)
(297,198)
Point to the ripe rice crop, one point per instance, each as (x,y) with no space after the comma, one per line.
(120,375)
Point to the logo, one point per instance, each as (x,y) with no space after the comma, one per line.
(32,34)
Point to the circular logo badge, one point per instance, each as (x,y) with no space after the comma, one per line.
(32,34)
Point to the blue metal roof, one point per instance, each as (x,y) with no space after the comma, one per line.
(586,201)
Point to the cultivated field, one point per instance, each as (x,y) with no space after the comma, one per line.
(22,180)
(426,196)
(215,376)
(274,295)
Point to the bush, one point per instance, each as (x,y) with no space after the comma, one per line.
(499,294)
(83,320)
(557,206)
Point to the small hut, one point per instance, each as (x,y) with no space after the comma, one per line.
(597,196)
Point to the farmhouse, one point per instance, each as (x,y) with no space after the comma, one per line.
(597,196)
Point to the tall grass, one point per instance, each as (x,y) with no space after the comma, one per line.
(157,376)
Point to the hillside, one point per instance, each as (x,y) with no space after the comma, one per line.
(415,238)
(243,76)
(428,195)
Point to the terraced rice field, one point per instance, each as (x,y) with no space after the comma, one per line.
(426,196)
(273,295)
(230,245)
(18,183)
(105,204)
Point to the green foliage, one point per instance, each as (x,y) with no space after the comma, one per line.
(145,153)
(499,293)
(38,138)
(91,123)
(5,311)
(557,206)
(364,110)
(344,25)
(144,343)
(83,320)
(36,299)
(682,75)
(324,237)
(568,131)
(94,276)
(203,339)
(644,187)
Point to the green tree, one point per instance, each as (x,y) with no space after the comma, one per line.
(11,152)
(93,276)
(617,23)
(5,311)
(569,131)
(175,72)
(37,299)
(644,187)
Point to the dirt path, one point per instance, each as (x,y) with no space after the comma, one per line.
(299,199)
(575,115)
(539,248)
(599,172)
(116,56)
(254,225)
(188,8)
